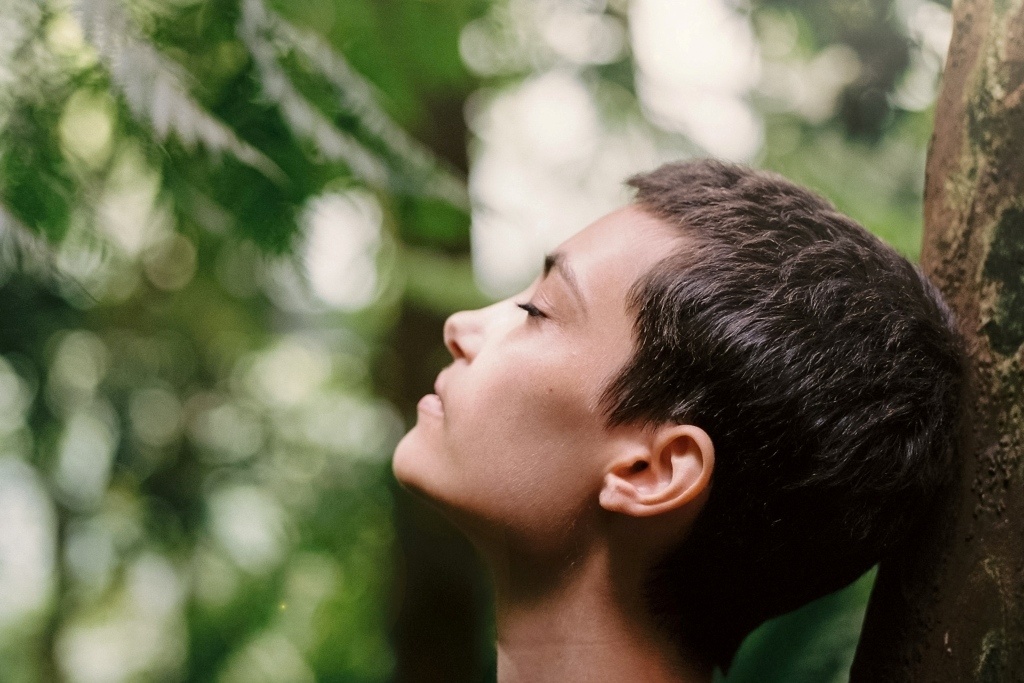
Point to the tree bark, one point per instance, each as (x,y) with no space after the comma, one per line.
(951,607)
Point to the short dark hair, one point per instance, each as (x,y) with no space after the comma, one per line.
(828,373)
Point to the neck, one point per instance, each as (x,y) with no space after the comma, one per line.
(585,624)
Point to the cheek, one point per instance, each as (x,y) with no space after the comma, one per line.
(520,407)
(519,446)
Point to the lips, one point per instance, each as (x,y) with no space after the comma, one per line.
(439,386)
(431,403)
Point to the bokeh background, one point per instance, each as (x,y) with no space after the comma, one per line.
(230,231)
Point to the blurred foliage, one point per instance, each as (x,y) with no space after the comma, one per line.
(198,435)
(215,219)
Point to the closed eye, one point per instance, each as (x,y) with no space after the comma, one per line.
(532,310)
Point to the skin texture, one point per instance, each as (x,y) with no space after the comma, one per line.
(568,514)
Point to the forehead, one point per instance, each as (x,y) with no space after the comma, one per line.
(613,252)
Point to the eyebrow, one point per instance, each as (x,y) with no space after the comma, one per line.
(557,260)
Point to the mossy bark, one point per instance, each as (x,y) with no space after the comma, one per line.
(951,608)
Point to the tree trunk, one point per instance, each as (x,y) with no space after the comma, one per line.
(951,608)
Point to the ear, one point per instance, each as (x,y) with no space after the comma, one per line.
(659,472)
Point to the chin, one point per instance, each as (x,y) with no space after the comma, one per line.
(416,468)
(404,463)
(414,465)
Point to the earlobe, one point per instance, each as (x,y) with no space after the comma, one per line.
(666,471)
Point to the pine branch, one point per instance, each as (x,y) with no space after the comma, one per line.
(267,35)
(22,251)
(357,97)
(302,116)
(154,87)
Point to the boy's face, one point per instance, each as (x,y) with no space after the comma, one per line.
(517,440)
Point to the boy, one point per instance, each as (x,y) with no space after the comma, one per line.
(715,405)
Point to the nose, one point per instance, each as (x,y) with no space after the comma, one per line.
(463,334)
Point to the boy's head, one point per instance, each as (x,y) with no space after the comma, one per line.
(762,388)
